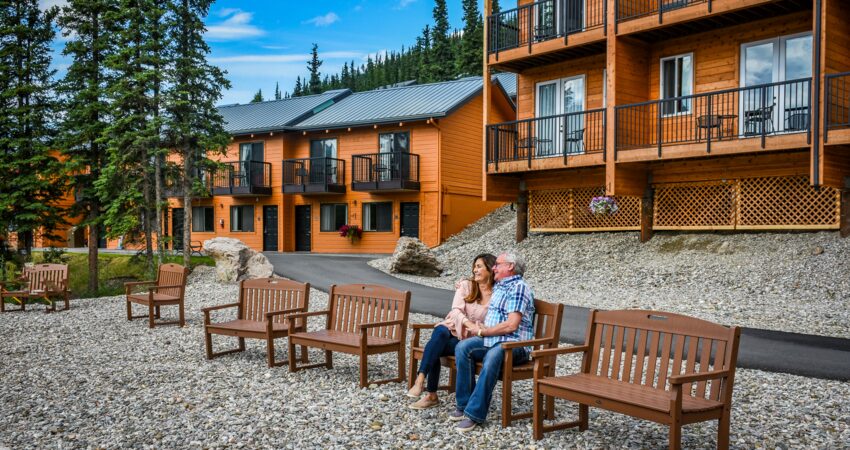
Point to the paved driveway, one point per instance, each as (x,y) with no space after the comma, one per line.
(775,351)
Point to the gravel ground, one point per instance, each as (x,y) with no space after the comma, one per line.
(795,282)
(87,378)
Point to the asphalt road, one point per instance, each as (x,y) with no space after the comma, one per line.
(775,351)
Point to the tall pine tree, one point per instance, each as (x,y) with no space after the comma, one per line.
(277,95)
(470,54)
(441,53)
(315,85)
(30,175)
(258,97)
(195,125)
(88,26)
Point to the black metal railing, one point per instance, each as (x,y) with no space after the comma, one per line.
(242,177)
(633,9)
(837,104)
(542,21)
(545,137)
(313,175)
(385,167)
(752,111)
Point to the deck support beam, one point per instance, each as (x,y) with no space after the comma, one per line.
(522,213)
(647,213)
(844,213)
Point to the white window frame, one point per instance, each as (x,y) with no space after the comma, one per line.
(678,68)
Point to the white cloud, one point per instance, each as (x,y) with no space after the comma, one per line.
(403,4)
(284,58)
(237,25)
(323,21)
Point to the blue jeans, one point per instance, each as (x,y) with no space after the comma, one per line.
(442,343)
(474,398)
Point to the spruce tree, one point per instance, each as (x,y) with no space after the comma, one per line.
(298,90)
(30,174)
(195,125)
(258,97)
(425,68)
(277,95)
(441,53)
(494,7)
(88,26)
(471,45)
(315,85)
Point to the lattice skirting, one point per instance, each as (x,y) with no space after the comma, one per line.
(567,210)
(747,203)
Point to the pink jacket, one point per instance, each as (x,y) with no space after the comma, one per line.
(461,310)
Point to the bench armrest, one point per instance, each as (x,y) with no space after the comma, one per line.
(559,351)
(213,308)
(364,326)
(528,343)
(695,377)
(421,326)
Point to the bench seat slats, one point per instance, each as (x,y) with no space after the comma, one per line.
(252,326)
(342,338)
(641,396)
(157,297)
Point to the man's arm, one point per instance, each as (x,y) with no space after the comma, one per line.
(508,326)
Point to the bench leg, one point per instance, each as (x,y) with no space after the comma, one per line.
(329,359)
(304,358)
(676,435)
(411,373)
(537,414)
(270,351)
(129,311)
(583,414)
(452,379)
(211,354)
(401,356)
(550,407)
(364,369)
(507,407)
(723,431)
(182,313)
(150,315)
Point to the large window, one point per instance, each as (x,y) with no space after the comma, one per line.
(677,80)
(333,216)
(378,216)
(323,148)
(242,218)
(203,218)
(251,151)
(394,142)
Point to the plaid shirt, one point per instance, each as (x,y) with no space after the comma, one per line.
(511,294)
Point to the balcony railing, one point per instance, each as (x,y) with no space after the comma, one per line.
(314,176)
(633,9)
(542,21)
(562,135)
(242,178)
(747,112)
(837,107)
(385,171)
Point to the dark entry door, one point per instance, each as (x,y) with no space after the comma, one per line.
(270,228)
(410,219)
(302,228)
(177,228)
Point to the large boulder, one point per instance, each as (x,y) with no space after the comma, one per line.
(235,261)
(413,257)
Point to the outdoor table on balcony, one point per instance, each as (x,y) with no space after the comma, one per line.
(529,144)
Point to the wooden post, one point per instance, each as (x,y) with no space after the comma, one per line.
(522,214)
(647,209)
(844,214)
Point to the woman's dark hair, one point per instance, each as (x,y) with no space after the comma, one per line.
(475,292)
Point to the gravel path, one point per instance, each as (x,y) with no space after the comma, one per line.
(795,282)
(87,378)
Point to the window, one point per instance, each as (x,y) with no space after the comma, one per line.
(394,142)
(251,151)
(333,216)
(323,148)
(378,216)
(203,218)
(677,80)
(242,218)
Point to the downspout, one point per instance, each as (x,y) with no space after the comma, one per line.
(433,122)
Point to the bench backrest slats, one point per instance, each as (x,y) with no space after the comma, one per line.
(628,343)
(40,276)
(259,296)
(547,322)
(172,275)
(355,304)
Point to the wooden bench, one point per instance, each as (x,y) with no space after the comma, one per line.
(547,330)
(362,320)
(627,368)
(41,281)
(261,309)
(168,289)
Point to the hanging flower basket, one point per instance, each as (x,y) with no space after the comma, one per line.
(353,232)
(603,206)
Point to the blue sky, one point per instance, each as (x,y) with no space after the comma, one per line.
(262,42)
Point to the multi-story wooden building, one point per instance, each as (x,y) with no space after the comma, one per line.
(402,161)
(694,114)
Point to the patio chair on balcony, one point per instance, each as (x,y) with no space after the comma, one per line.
(797,119)
(574,142)
(759,120)
(709,122)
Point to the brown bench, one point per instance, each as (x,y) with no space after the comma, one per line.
(41,281)
(362,320)
(168,289)
(261,309)
(627,368)
(547,330)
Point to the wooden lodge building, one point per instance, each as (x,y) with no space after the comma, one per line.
(694,114)
(399,161)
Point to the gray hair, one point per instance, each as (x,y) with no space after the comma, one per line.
(517,261)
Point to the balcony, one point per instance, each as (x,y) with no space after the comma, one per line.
(314,176)
(546,31)
(762,117)
(396,171)
(551,142)
(242,178)
(837,108)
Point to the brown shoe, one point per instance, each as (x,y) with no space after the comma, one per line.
(415,391)
(424,403)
